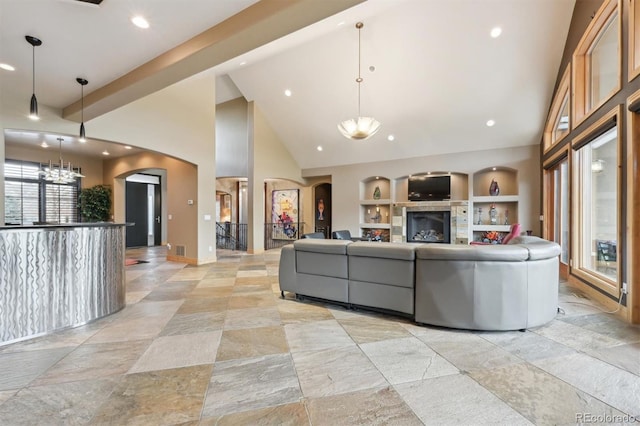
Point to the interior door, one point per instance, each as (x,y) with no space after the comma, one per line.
(136,213)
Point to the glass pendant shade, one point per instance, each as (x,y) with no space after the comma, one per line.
(361,128)
(33,109)
(83,82)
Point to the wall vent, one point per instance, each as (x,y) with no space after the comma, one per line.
(181,251)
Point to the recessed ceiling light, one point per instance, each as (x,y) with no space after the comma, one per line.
(490,123)
(243,63)
(287,92)
(7,67)
(105,152)
(495,32)
(44,144)
(140,22)
(494,169)
(127,147)
(319,148)
(391,138)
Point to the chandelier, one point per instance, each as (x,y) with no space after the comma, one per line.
(58,173)
(360,128)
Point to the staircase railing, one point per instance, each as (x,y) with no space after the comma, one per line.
(231,236)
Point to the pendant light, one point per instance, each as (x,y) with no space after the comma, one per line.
(360,128)
(33,109)
(83,83)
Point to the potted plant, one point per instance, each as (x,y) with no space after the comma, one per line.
(95,203)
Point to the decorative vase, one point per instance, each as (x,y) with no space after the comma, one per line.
(376,193)
(494,189)
(493,215)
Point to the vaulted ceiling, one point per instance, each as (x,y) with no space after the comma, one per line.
(433,75)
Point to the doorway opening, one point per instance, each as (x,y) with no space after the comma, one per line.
(143,210)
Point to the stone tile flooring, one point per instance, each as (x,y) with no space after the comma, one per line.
(215,345)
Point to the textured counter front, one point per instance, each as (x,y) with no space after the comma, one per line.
(54,277)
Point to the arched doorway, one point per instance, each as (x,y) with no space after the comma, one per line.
(322,216)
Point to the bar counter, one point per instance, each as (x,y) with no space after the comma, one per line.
(58,276)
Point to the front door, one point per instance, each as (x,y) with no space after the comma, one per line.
(137,214)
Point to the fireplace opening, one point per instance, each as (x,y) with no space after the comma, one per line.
(429,227)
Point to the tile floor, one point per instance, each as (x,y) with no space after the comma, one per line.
(215,344)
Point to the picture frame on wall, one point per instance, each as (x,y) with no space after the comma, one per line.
(284,213)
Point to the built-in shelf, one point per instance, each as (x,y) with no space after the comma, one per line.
(375,202)
(375,225)
(497,228)
(505,203)
(496,199)
(372,209)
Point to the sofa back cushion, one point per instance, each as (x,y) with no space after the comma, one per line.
(400,251)
(314,245)
(493,252)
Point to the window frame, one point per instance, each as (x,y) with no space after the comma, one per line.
(633,45)
(550,139)
(548,198)
(42,191)
(605,284)
(581,73)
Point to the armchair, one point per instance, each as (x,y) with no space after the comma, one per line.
(316,235)
(344,235)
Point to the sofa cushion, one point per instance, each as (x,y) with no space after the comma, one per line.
(524,239)
(538,248)
(494,252)
(401,251)
(322,246)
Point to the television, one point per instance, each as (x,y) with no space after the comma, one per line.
(429,188)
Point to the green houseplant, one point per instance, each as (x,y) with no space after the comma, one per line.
(95,203)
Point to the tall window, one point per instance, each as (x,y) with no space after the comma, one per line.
(29,198)
(558,124)
(561,203)
(603,63)
(556,199)
(598,205)
(596,64)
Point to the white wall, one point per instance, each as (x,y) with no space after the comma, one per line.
(268,158)
(163,122)
(346,180)
(232,144)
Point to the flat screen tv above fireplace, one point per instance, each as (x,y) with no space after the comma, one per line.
(429,188)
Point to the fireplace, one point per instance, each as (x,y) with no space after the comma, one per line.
(429,226)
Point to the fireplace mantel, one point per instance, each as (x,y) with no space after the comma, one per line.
(459,218)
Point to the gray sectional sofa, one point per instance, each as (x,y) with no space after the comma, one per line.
(485,287)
